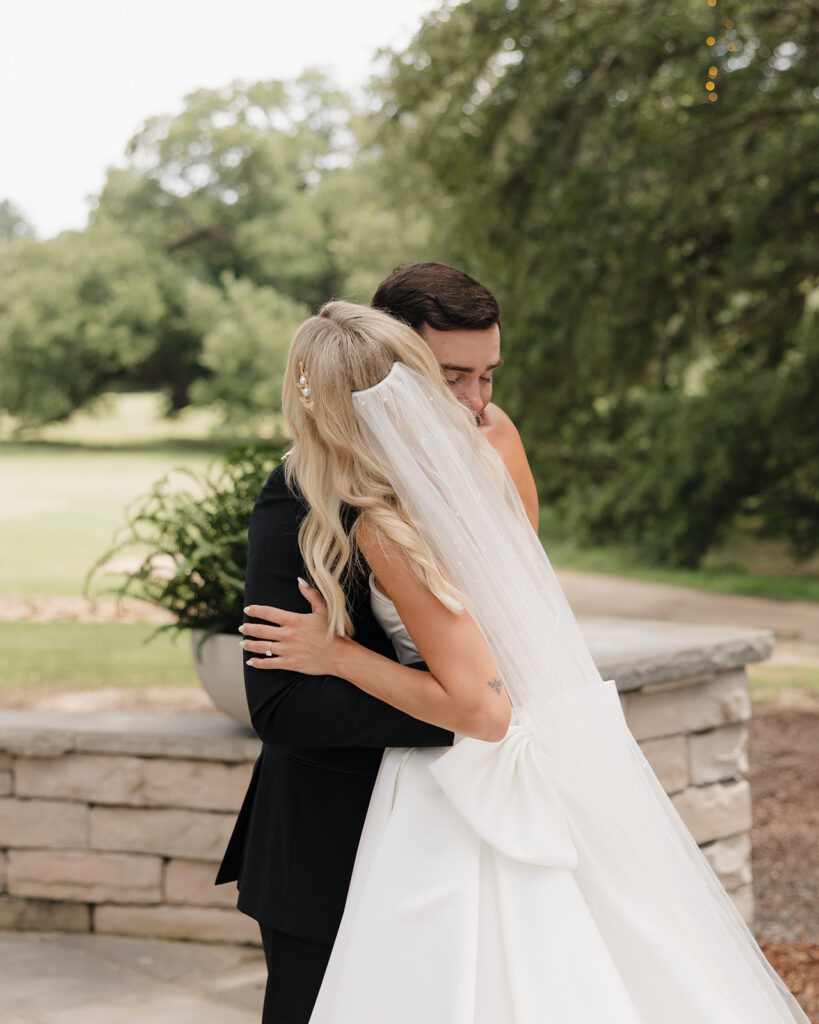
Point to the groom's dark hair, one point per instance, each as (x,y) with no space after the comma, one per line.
(433,293)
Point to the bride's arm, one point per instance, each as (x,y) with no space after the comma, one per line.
(462,690)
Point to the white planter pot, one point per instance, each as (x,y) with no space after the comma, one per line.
(218,663)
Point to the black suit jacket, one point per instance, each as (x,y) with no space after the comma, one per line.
(295,840)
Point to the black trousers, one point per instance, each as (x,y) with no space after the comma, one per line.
(295,968)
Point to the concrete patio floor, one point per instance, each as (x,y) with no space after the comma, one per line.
(48,978)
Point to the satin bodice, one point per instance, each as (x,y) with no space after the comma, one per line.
(388,618)
(386,614)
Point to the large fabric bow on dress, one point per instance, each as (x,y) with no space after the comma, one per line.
(503,791)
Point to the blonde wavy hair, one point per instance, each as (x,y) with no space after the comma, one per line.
(347,348)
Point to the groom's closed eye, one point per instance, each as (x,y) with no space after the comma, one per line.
(458,380)
(454,368)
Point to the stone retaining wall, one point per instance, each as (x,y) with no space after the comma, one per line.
(694,736)
(116,822)
(101,832)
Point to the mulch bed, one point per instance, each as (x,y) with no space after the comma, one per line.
(784,776)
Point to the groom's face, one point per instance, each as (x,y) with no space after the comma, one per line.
(468,360)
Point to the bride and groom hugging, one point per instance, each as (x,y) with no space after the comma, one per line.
(449,822)
(295,841)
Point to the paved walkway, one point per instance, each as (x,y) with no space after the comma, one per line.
(107,979)
(795,623)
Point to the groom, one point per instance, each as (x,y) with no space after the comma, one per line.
(294,844)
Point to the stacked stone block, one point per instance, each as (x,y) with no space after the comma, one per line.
(693,733)
(120,843)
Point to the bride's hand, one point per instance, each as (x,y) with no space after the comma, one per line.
(293,641)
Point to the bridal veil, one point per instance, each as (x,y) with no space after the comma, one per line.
(664,917)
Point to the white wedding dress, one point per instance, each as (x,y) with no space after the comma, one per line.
(463,908)
(547,878)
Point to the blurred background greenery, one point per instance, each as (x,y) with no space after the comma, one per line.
(635,181)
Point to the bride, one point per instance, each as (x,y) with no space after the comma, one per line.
(535,871)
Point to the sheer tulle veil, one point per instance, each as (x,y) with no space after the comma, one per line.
(638,867)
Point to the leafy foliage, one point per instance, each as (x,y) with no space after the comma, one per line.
(74,313)
(193,542)
(654,251)
(12,222)
(229,222)
(228,184)
(246,331)
(279,183)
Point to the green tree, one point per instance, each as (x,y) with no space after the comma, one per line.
(246,332)
(654,248)
(75,313)
(174,364)
(12,222)
(256,203)
(277,184)
(230,184)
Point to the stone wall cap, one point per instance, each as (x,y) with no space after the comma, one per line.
(136,733)
(633,652)
(639,652)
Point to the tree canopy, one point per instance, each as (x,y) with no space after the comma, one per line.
(232,219)
(638,183)
(75,312)
(229,184)
(12,222)
(635,180)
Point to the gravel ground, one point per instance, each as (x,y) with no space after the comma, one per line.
(784,780)
(784,777)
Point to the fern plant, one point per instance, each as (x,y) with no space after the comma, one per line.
(193,541)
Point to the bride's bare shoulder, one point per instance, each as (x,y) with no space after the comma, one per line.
(495,419)
(382,554)
(502,434)
(394,575)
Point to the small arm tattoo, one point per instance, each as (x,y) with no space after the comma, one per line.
(495,684)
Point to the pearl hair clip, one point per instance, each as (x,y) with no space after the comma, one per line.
(304,388)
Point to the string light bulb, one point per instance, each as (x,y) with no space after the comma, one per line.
(716,38)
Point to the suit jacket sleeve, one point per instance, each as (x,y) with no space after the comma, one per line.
(292,709)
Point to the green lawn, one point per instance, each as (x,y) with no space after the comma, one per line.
(131,418)
(65,489)
(766,681)
(64,494)
(61,506)
(78,656)
(741,566)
